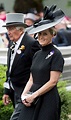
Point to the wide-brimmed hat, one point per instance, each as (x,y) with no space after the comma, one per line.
(16,19)
(50,19)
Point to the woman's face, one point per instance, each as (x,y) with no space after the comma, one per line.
(45,37)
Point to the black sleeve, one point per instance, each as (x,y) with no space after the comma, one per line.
(57,62)
(6,91)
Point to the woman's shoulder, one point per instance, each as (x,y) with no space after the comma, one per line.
(56,49)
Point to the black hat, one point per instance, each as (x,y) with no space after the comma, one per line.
(50,19)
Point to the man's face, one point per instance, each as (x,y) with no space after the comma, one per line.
(13,33)
(29,22)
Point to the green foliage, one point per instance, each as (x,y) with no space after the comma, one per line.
(64,100)
(2,74)
(69,3)
(69,101)
(5,111)
(2,78)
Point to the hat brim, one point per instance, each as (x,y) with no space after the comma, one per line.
(15,24)
(33,29)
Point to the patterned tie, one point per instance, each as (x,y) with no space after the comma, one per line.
(12,47)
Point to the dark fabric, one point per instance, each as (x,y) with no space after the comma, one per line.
(17,111)
(21,66)
(30,113)
(20,70)
(11,95)
(63,38)
(48,106)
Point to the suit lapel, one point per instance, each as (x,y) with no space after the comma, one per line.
(17,56)
(8,58)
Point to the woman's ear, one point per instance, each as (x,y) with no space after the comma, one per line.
(54,32)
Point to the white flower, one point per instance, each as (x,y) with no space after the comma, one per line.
(50,54)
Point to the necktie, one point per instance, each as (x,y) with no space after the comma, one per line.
(12,47)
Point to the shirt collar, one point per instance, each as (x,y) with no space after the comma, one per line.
(20,39)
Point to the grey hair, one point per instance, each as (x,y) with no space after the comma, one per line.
(19,27)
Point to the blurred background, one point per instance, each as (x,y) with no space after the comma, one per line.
(65,5)
(33,9)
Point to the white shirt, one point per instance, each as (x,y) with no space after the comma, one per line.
(15,50)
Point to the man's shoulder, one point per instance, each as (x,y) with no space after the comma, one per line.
(28,39)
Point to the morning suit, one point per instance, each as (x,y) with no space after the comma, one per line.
(20,70)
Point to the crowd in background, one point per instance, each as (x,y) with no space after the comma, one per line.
(18,71)
(62,34)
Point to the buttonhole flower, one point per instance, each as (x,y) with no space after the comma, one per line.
(22,47)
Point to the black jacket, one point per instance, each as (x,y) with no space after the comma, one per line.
(20,70)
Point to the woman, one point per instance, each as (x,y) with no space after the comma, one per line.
(40,96)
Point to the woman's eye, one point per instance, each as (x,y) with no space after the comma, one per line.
(45,34)
(39,33)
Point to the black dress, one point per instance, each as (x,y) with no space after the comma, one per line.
(48,106)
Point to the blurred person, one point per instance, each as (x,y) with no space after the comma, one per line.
(35,12)
(2,9)
(20,55)
(2,12)
(69,26)
(63,35)
(27,5)
(40,97)
(69,23)
(30,18)
(3,32)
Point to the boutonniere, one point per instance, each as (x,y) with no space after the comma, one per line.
(50,54)
(21,49)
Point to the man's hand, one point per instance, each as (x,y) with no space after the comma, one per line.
(6,99)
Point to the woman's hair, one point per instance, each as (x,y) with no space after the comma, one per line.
(52,31)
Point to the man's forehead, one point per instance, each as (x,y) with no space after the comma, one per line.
(11,26)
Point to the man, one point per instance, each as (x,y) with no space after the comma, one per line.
(62,38)
(63,35)
(20,56)
(30,19)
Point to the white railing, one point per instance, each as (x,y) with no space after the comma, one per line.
(66,51)
(3,51)
(3,55)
